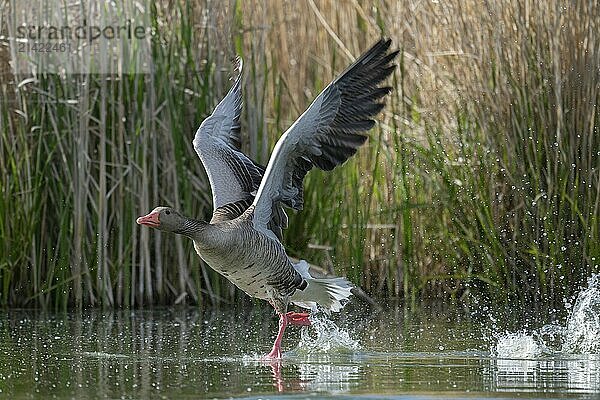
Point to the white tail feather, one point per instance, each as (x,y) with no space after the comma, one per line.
(330,293)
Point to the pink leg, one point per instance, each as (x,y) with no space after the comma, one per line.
(276,351)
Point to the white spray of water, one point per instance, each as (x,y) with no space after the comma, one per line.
(324,336)
(580,335)
(583,326)
(517,345)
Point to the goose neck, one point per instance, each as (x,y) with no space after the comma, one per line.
(191,228)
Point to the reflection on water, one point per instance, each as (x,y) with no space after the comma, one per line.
(186,353)
(578,375)
(328,377)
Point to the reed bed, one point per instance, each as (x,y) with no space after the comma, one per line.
(480,183)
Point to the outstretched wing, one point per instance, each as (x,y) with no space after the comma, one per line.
(327,134)
(234,177)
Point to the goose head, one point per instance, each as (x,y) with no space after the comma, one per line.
(163,218)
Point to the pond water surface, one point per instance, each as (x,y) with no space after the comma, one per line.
(429,352)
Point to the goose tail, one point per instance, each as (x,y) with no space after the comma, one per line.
(329,293)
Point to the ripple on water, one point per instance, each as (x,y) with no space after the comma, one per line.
(100,354)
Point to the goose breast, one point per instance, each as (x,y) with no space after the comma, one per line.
(252,261)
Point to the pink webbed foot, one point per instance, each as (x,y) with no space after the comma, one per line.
(300,319)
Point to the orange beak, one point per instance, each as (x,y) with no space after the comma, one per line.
(149,220)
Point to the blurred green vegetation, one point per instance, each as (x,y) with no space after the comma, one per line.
(480,183)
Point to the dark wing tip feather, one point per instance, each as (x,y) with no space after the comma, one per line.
(230,108)
(238,64)
(377,54)
(350,103)
(346,111)
(377,50)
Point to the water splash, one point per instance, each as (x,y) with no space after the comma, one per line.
(518,345)
(324,336)
(580,334)
(583,325)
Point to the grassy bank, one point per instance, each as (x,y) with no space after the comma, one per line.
(482,179)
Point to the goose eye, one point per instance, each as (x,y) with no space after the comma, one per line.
(167,212)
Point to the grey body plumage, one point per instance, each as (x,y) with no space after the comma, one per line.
(252,261)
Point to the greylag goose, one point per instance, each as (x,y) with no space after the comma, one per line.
(242,241)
